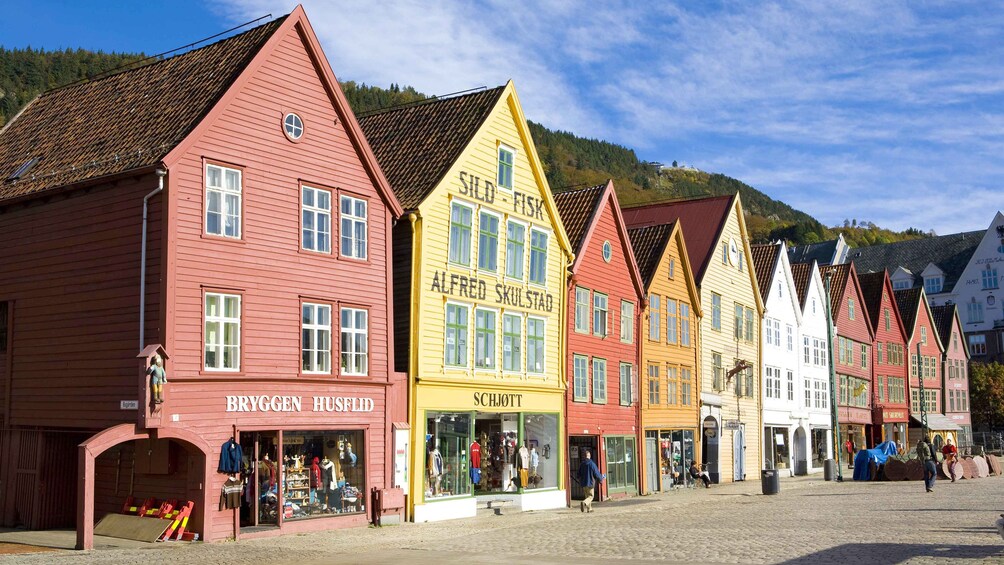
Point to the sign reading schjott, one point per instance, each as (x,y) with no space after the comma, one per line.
(280,403)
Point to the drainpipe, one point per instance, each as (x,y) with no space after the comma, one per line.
(161,173)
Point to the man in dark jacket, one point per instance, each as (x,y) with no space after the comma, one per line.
(925,452)
(589,477)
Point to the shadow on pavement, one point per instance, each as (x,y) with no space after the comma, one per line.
(890,553)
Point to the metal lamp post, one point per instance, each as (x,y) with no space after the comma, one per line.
(923,399)
(834,423)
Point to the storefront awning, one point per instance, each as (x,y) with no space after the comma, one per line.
(938,422)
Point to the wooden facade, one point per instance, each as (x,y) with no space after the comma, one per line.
(605,302)
(955,368)
(263,275)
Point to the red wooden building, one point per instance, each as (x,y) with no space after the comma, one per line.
(955,368)
(606,296)
(890,411)
(227,198)
(925,364)
(852,356)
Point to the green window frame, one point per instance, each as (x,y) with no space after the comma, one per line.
(627,321)
(515,249)
(488,242)
(581,309)
(512,342)
(538,256)
(455,344)
(507,158)
(461,221)
(626,370)
(535,345)
(484,338)
(601,314)
(580,378)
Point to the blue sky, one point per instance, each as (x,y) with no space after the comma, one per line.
(890,112)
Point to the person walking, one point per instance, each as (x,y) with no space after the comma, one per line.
(926,455)
(951,454)
(589,478)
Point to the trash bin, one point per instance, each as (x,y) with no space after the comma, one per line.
(770,481)
(829,470)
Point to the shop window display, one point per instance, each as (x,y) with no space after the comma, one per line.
(676,450)
(541,433)
(448,441)
(819,447)
(324,474)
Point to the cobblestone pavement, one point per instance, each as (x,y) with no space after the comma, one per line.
(810,521)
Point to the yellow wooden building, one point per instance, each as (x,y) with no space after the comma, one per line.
(480,283)
(668,373)
(730,339)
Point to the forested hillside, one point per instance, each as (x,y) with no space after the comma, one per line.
(570,161)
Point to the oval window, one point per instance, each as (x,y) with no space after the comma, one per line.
(607,251)
(293,126)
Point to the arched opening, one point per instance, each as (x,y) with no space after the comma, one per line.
(709,448)
(122,462)
(799,452)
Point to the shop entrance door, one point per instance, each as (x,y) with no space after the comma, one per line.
(651,463)
(261,477)
(739,455)
(709,448)
(800,453)
(577,447)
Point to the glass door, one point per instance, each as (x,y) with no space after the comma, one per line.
(261,474)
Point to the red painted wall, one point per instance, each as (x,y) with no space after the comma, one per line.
(859,331)
(930,349)
(955,351)
(613,279)
(884,369)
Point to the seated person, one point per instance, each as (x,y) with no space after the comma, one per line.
(696,473)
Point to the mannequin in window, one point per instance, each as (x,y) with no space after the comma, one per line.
(534,463)
(435,463)
(328,483)
(524,465)
(349,455)
(315,480)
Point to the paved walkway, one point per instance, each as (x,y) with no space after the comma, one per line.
(810,521)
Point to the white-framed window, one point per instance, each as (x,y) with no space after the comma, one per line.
(484,338)
(791,386)
(974,312)
(456,334)
(977,344)
(773,384)
(989,276)
(488,241)
(293,126)
(355,341)
(770,324)
(512,342)
(672,267)
(685,324)
(224,189)
(222,316)
(749,328)
(923,335)
(316,340)
(850,308)
(932,285)
(507,158)
(716,311)
(672,385)
(808,392)
(672,321)
(627,321)
(599,381)
(600,314)
(580,378)
(791,337)
(725,253)
(654,381)
(902,284)
(461,219)
(608,251)
(654,317)
(685,387)
(581,309)
(534,345)
(316,219)
(626,372)
(538,256)
(515,249)
(353,214)
(885,313)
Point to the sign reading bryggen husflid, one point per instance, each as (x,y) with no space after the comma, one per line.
(486,258)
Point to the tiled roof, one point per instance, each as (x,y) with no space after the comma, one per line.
(648,244)
(908,302)
(122,122)
(701,220)
(872,285)
(577,209)
(821,253)
(944,317)
(416,145)
(951,253)
(765,258)
(838,284)
(801,274)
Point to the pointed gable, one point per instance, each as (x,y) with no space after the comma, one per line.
(801,275)
(702,218)
(944,318)
(649,244)
(578,210)
(765,258)
(838,284)
(872,287)
(417,144)
(908,302)
(126,121)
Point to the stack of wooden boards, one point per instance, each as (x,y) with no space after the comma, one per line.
(977,467)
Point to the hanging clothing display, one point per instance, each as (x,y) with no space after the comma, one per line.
(230,458)
(475,454)
(230,494)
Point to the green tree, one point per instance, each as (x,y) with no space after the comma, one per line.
(986,391)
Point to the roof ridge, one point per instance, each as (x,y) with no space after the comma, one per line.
(565,192)
(430,101)
(679,200)
(89,81)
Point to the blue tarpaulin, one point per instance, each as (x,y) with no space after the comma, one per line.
(879,454)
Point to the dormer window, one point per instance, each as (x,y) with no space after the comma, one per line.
(933,285)
(902,284)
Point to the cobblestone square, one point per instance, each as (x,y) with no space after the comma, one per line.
(810,521)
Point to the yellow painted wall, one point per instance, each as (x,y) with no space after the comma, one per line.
(661,353)
(438,386)
(735,286)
